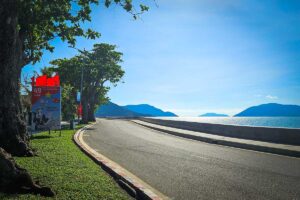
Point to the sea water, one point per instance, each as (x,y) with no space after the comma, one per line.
(284,122)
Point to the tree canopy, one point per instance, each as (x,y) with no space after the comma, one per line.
(41,21)
(98,67)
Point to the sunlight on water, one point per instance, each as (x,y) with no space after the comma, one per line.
(286,122)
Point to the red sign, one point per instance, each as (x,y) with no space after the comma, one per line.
(46,81)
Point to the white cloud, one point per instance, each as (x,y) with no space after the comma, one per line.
(271,97)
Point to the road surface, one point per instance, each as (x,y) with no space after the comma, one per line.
(187,169)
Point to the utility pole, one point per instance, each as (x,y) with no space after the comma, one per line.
(81,83)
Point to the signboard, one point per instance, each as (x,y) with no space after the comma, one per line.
(46,104)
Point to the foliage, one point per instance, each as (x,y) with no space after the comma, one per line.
(46,71)
(41,21)
(25,93)
(68,103)
(70,173)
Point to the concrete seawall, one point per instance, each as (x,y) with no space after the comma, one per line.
(266,134)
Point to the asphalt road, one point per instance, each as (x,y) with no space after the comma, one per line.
(187,169)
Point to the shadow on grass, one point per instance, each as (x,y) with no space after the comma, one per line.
(41,137)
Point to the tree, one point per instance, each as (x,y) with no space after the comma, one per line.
(27,27)
(26,30)
(99,66)
(68,102)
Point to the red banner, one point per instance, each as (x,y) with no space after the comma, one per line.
(46,81)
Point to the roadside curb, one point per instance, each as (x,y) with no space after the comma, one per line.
(248,146)
(132,184)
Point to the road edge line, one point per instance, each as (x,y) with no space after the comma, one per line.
(123,177)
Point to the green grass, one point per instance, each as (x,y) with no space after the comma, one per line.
(69,172)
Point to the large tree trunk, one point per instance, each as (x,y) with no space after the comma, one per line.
(91,107)
(91,112)
(85,110)
(13,134)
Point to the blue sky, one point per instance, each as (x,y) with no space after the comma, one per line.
(197,56)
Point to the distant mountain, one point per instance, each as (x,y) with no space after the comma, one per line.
(149,110)
(213,115)
(271,110)
(113,110)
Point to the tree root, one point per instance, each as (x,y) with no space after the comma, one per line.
(14,179)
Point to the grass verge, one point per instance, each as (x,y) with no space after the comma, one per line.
(67,170)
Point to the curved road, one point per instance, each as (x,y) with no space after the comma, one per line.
(187,169)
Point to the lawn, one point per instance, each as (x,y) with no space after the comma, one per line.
(68,171)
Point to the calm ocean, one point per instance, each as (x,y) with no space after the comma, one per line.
(287,122)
